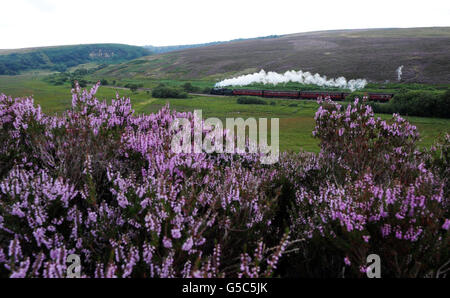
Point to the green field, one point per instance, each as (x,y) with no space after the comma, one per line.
(296,122)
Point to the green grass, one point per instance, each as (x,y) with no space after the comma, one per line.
(54,98)
(296,123)
(151,83)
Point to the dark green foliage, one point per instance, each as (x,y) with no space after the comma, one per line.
(79,75)
(247,100)
(60,67)
(163,91)
(189,88)
(132,87)
(356,94)
(81,72)
(417,103)
(83,83)
(61,58)
(59,79)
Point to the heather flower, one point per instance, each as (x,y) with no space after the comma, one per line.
(446,224)
(375,183)
(176,233)
(347,261)
(167,242)
(188,244)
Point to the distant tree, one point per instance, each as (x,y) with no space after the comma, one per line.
(81,72)
(189,88)
(356,94)
(60,67)
(133,87)
(82,83)
(163,91)
(104,82)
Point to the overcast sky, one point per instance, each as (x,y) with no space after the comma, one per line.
(30,23)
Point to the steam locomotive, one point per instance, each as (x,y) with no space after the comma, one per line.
(334,95)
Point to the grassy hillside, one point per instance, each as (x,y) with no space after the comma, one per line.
(374,54)
(167,49)
(61,58)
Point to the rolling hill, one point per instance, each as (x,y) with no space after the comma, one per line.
(167,49)
(374,54)
(60,58)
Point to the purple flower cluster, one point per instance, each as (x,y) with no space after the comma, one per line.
(101,182)
(378,193)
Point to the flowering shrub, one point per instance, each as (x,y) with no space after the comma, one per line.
(377,194)
(438,159)
(353,141)
(101,182)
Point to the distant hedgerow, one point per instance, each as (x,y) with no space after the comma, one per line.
(417,103)
(163,91)
(249,100)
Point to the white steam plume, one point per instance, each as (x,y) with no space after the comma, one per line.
(399,72)
(293,76)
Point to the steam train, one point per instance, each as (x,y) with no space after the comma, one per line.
(334,95)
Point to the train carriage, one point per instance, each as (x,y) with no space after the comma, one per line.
(334,95)
(381,97)
(317,94)
(309,94)
(283,94)
(247,92)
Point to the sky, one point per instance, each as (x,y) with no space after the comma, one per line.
(33,23)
